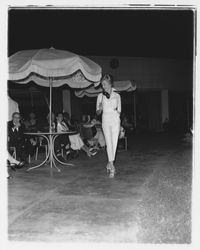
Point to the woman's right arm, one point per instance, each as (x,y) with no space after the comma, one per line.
(99,106)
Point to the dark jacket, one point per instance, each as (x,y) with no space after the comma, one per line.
(15,136)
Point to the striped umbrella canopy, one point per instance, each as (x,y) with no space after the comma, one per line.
(63,67)
(53,68)
(126,85)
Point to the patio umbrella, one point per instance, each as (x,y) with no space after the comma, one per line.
(126,85)
(92,91)
(53,68)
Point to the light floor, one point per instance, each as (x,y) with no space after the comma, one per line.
(147,202)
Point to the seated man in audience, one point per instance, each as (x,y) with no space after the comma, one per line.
(76,143)
(61,142)
(72,124)
(16,136)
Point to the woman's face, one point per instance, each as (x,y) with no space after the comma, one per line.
(59,117)
(52,117)
(106,86)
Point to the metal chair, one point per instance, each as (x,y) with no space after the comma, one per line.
(40,145)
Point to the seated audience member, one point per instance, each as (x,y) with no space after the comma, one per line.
(31,126)
(76,142)
(97,132)
(61,140)
(121,133)
(126,124)
(16,136)
(71,123)
(87,129)
(31,123)
(17,139)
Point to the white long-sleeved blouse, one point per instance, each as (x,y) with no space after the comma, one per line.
(110,105)
(62,127)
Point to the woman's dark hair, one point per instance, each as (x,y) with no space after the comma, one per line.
(108,78)
(59,113)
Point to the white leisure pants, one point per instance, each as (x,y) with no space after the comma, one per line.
(111,128)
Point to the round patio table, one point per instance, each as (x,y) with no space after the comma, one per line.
(51,157)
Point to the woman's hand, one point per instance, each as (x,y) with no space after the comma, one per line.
(99,112)
(117,111)
(100,108)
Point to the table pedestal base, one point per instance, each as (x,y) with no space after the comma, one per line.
(51,157)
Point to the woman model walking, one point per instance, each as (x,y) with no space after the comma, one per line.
(109,104)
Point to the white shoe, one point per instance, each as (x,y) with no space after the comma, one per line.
(67,152)
(93,152)
(112,171)
(112,174)
(108,167)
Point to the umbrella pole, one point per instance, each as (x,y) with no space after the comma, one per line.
(51,138)
(50,105)
(50,125)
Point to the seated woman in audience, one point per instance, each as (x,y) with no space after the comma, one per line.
(97,132)
(73,124)
(31,122)
(13,164)
(76,142)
